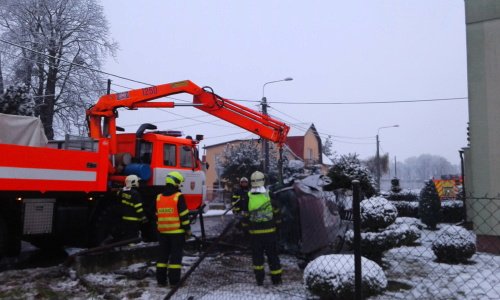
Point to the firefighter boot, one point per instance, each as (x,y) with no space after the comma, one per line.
(276,276)
(276,279)
(259,277)
(161,274)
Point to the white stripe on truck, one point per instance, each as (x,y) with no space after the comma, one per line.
(46,174)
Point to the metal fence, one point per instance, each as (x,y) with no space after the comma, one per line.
(400,261)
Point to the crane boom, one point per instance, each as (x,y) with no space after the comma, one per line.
(102,116)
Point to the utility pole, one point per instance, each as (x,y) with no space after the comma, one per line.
(377,160)
(108,90)
(265,143)
(395,168)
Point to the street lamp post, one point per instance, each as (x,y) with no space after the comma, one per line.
(377,158)
(265,144)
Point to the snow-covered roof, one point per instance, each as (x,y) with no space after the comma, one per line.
(326,160)
(299,129)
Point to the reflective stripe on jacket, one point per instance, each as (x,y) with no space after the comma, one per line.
(260,213)
(169,220)
(130,205)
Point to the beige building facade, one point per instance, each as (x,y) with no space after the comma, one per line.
(482,158)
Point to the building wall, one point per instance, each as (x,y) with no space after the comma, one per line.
(211,155)
(483,70)
(212,152)
(311,147)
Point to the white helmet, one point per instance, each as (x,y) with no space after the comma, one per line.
(132,181)
(257,179)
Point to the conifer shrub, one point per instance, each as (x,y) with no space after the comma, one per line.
(429,205)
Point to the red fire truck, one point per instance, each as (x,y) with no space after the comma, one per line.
(59,193)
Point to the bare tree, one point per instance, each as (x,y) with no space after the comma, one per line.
(371,164)
(327,147)
(63,34)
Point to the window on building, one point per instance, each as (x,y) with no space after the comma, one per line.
(309,153)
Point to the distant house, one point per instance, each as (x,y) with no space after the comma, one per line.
(303,143)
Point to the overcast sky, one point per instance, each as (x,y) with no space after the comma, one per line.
(336,51)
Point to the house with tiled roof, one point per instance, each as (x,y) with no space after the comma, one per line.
(303,143)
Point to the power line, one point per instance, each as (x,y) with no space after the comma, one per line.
(194,119)
(165,121)
(337,137)
(358,102)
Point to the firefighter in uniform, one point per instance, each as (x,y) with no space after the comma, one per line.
(240,197)
(173,227)
(261,219)
(131,211)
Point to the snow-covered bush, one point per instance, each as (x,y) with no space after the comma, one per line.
(406,234)
(409,221)
(406,208)
(374,244)
(17,101)
(429,205)
(332,277)
(406,195)
(345,169)
(377,213)
(378,236)
(454,244)
(452,211)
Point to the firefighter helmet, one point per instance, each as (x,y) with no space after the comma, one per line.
(257,179)
(174,178)
(132,181)
(244,179)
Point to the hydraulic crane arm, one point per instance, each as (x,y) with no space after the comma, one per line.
(102,116)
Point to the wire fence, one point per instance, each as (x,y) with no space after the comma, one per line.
(401,253)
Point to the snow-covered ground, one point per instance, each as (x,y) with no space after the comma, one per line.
(424,278)
(412,273)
